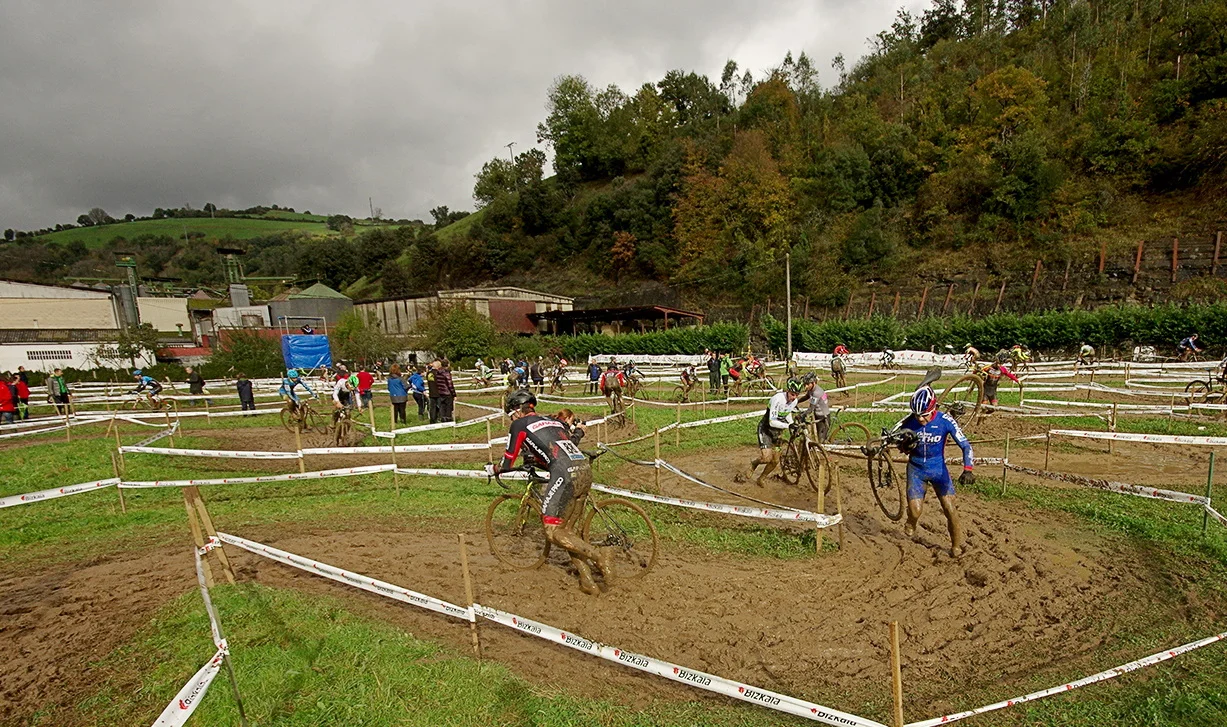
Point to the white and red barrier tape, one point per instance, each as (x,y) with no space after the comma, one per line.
(51,494)
(1123,488)
(217,453)
(185,702)
(343,472)
(1069,686)
(822,521)
(1148,438)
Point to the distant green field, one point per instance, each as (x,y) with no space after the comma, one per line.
(288,216)
(459,227)
(237,228)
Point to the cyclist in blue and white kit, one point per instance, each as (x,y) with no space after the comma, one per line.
(146,382)
(926,465)
(289,383)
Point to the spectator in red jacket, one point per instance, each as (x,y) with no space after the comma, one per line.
(447,390)
(365,382)
(8,399)
(23,397)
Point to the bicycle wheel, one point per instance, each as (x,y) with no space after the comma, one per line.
(340,431)
(624,526)
(311,421)
(288,420)
(515,533)
(849,433)
(817,468)
(768,382)
(679,393)
(889,489)
(961,400)
(792,460)
(1198,391)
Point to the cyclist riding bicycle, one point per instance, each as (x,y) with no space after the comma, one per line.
(841,350)
(888,356)
(1086,354)
(819,406)
(544,442)
(612,382)
(1019,355)
(775,422)
(689,379)
(343,393)
(143,382)
(291,381)
(1188,346)
(926,465)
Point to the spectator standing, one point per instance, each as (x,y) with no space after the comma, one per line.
(399,395)
(726,363)
(8,399)
(365,382)
(22,390)
(57,389)
(432,390)
(447,391)
(24,376)
(713,371)
(594,376)
(196,385)
(537,374)
(247,398)
(417,384)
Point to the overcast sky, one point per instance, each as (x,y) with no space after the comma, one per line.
(318,105)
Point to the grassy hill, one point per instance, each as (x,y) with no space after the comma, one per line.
(219,228)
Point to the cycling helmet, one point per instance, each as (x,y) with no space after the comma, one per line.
(810,378)
(967,347)
(353,381)
(291,373)
(794,386)
(137,372)
(519,399)
(924,401)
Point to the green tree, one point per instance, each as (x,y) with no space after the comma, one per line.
(358,338)
(247,352)
(456,331)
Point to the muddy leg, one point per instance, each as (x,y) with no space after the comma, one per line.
(956,526)
(913,517)
(770,458)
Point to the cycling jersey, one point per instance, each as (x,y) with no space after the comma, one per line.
(841,350)
(340,392)
(288,385)
(612,381)
(688,375)
(148,381)
(1187,344)
(1088,351)
(545,442)
(775,420)
(927,462)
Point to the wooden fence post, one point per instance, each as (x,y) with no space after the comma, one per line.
(949,295)
(468,592)
(974,293)
(848,310)
(1103,254)
(924,295)
(1218,245)
(1175,256)
(873,299)
(1035,277)
(1065,281)
(1000,295)
(115,469)
(302,467)
(1137,262)
(896,676)
(656,463)
(894,312)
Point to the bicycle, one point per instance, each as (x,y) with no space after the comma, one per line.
(303,415)
(636,388)
(847,433)
(559,382)
(516,534)
(342,425)
(482,381)
(617,414)
(888,488)
(151,403)
(1207,391)
(761,381)
(804,455)
(962,400)
(887,362)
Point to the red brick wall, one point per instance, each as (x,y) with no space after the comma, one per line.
(512,315)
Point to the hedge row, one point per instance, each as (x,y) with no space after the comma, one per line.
(1105,328)
(684,340)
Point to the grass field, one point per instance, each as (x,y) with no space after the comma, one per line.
(313,660)
(214,229)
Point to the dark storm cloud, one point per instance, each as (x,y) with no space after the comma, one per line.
(132,105)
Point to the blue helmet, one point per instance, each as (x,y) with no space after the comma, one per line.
(136,372)
(291,373)
(924,401)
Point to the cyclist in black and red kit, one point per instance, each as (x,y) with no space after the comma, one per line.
(544,442)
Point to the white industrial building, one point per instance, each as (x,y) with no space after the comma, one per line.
(43,327)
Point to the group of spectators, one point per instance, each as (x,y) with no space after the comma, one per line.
(15,394)
(432,390)
(723,368)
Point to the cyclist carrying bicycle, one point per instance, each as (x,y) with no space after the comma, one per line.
(291,381)
(1188,346)
(147,382)
(612,382)
(819,405)
(926,465)
(992,379)
(971,354)
(771,428)
(544,442)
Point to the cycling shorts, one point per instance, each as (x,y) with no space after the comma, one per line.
(990,388)
(768,436)
(568,482)
(935,473)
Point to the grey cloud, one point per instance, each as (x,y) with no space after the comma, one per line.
(131,105)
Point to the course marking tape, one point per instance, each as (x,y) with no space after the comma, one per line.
(185,702)
(1069,686)
(53,493)
(340,575)
(400,448)
(673,672)
(1149,438)
(1222,520)
(346,472)
(217,453)
(823,521)
(1123,488)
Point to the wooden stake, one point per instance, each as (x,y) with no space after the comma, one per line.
(822,472)
(924,295)
(1205,513)
(396,477)
(208,414)
(972,306)
(206,522)
(873,299)
(1137,262)
(1103,254)
(896,676)
(894,311)
(1047,449)
(169,438)
(656,465)
(115,469)
(489,444)
(839,506)
(1035,276)
(1111,448)
(1000,296)
(468,592)
(677,427)
(67,427)
(1175,257)
(1218,246)
(1004,460)
(123,466)
(949,295)
(197,535)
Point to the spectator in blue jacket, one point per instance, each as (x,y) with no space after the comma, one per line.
(417,385)
(594,376)
(398,394)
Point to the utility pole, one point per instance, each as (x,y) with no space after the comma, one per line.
(371,202)
(788,297)
(510,152)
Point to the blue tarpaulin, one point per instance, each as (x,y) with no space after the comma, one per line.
(306,352)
